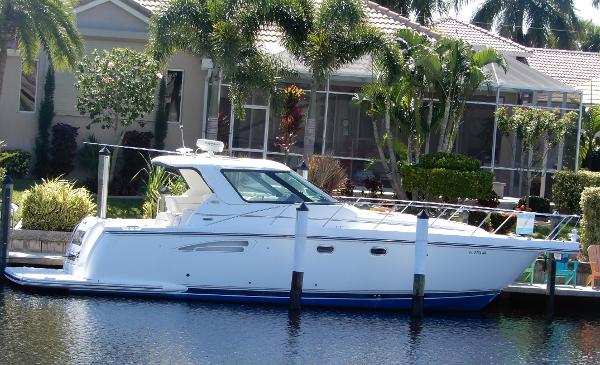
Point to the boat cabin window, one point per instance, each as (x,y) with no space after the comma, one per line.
(275,187)
(196,192)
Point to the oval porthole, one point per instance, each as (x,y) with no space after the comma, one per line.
(325,249)
(378,251)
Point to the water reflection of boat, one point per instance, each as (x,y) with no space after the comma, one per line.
(230,237)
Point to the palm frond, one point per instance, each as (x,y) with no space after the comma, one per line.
(49,24)
(184,25)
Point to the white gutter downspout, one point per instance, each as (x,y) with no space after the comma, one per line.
(578,132)
(207,65)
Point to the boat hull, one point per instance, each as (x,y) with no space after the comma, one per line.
(56,279)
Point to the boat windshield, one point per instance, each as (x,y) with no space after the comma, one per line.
(259,186)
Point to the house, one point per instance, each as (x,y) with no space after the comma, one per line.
(341,130)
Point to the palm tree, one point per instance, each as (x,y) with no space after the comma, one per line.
(380,99)
(226,32)
(460,75)
(589,36)
(36,24)
(548,23)
(590,134)
(395,99)
(338,35)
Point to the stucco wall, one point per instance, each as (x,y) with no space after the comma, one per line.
(105,26)
(17,128)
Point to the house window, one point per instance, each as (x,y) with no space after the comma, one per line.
(173,95)
(28,90)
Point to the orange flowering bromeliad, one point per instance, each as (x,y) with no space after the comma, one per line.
(291,120)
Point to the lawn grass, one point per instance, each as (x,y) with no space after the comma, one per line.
(118,207)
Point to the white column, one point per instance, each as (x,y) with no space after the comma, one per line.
(578,133)
(495,130)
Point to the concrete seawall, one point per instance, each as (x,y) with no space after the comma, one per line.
(32,247)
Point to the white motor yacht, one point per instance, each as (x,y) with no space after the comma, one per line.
(230,237)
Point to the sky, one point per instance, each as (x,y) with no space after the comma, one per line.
(584,10)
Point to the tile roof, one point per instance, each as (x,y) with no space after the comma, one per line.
(152,5)
(477,36)
(571,67)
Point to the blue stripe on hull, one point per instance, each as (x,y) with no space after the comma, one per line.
(469,301)
(464,301)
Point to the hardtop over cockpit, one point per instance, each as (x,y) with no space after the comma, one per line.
(243,180)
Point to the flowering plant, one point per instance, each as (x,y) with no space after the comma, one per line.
(291,119)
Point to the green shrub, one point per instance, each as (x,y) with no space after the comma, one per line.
(55,205)
(537,204)
(496,219)
(17,165)
(450,161)
(567,187)
(451,184)
(2,174)
(159,178)
(590,221)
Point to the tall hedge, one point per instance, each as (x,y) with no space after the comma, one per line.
(63,149)
(567,187)
(449,161)
(45,116)
(449,175)
(590,221)
(161,117)
(451,184)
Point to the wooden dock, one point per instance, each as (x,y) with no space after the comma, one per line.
(561,290)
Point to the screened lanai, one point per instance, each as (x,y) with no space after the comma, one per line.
(345,131)
(479,136)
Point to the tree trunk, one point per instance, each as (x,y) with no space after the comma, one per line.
(212,124)
(379,144)
(454,126)
(521,171)
(395,175)
(115,153)
(310,126)
(429,119)
(442,141)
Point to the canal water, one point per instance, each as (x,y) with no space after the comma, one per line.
(56,329)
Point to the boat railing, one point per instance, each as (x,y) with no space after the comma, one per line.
(555,223)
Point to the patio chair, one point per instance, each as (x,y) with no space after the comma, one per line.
(563,271)
(594,255)
(529,273)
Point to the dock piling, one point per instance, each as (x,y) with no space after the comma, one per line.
(551,284)
(7,188)
(302,169)
(419,267)
(299,251)
(103,176)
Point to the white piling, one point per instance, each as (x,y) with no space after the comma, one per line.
(299,253)
(103,169)
(419,267)
(302,170)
